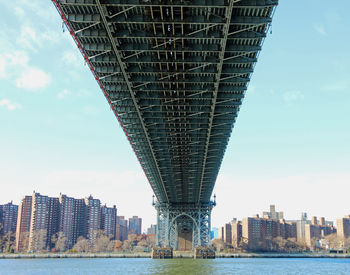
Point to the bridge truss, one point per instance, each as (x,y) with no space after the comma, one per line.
(174,73)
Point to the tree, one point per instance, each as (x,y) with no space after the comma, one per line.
(346,244)
(218,244)
(38,241)
(82,245)
(110,246)
(24,237)
(60,241)
(334,242)
(118,245)
(279,244)
(7,242)
(101,243)
(127,246)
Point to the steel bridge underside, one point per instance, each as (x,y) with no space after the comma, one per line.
(174,73)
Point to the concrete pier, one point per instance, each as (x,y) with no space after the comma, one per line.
(203,252)
(162,253)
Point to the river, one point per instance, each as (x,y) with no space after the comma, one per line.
(174,266)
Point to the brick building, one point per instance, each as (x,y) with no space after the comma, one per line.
(8,218)
(343,227)
(23,224)
(135,225)
(44,221)
(108,220)
(121,228)
(93,217)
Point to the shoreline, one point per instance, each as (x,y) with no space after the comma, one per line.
(177,254)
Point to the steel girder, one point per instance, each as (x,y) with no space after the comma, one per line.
(172,218)
(174,73)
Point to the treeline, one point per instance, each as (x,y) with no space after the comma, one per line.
(100,243)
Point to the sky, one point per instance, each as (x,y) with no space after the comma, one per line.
(289,147)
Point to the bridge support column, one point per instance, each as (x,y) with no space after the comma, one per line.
(183,226)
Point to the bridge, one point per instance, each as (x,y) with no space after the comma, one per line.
(174,72)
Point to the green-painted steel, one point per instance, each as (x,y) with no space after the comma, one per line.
(175,73)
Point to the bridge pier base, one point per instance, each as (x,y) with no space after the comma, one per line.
(183,226)
(162,253)
(204,253)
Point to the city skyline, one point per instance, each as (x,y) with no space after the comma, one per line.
(42,222)
(59,135)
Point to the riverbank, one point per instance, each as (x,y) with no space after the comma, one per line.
(177,254)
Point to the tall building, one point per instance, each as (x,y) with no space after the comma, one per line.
(256,232)
(306,233)
(301,227)
(8,218)
(312,234)
(272,214)
(108,220)
(121,228)
(23,224)
(66,218)
(236,230)
(135,225)
(152,229)
(80,228)
(93,217)
(71,219)
(44,222)
(225,233)
(343,227)
(287,230)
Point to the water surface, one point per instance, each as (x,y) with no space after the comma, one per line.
(174,266)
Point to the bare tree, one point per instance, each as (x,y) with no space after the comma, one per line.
(110,246)
(82,245)
(347,245)
(127,246)
(60,241)
(102,242)
(38,241)
(7,242)
(24,241)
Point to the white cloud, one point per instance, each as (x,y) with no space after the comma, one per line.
(2,67)
(14,65)
(320,29)
(338,86)
(70,58)
(28,38)
(292,96)
(33,79)
(9,105)
(17,58)
(63,94)
(12,60)
(32,39)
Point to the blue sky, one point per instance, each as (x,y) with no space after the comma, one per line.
(290,145)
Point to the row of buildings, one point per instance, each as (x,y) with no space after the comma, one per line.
(256,233)
(39,217)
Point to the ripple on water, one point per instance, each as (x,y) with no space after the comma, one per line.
(175,266)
